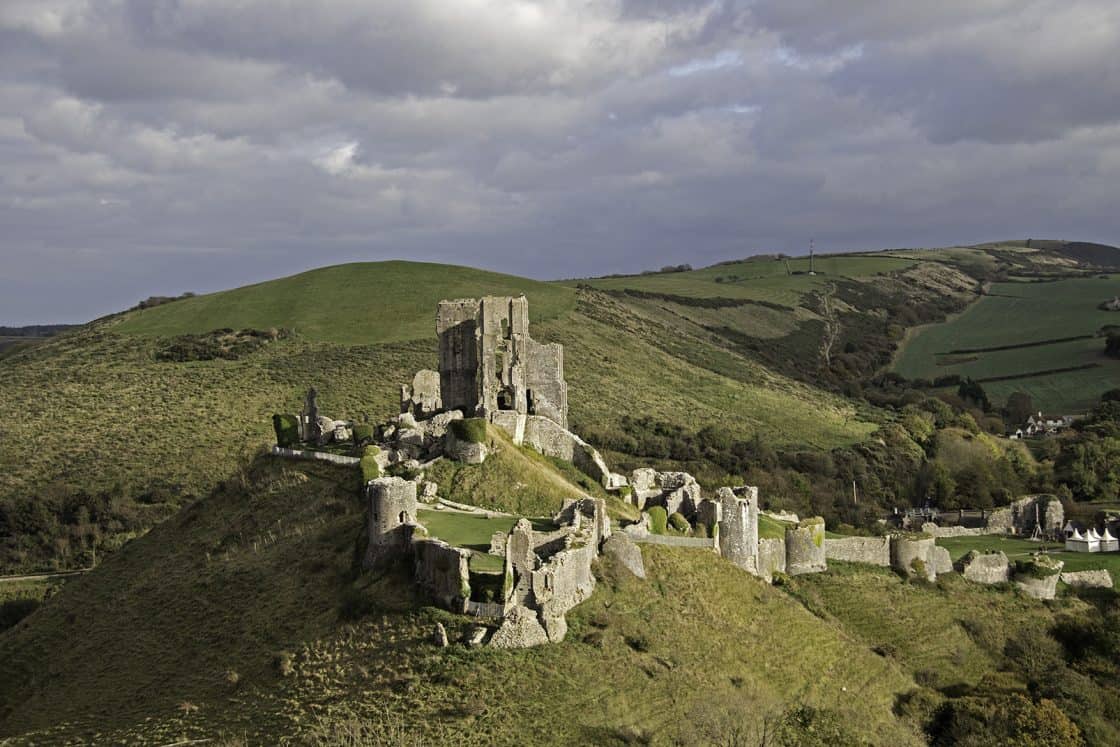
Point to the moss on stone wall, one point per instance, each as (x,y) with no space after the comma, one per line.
(658,520)
(1037,567)
(371,470)
(470,430)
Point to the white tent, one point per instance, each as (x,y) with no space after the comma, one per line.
(1108,542)
(1078,542)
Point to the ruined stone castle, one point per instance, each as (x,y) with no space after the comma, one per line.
(492,372)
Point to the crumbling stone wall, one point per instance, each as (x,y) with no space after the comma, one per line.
(771,557)
(1096,579)
(805,551)
(869,550)
(905,549)
(443,572)
(941,559)
(1019,517)
(984,568)
(561,583)
(678,492)
(552,440)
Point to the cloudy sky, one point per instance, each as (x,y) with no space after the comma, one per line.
(159,146)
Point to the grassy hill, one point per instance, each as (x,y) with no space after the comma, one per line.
(1018,335)
(99,411)
(354,304)
(240,619)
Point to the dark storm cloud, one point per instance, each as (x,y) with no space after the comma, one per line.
(169,145)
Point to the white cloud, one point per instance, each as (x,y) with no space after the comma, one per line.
(338,160)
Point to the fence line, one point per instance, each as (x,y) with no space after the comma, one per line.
(320,456)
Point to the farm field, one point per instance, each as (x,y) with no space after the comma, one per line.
(1019,549)
(1020,314)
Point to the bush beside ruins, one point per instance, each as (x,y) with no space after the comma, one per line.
(287,430)
(469,430)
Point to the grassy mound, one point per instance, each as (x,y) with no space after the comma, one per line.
(515,479)
(256,581)
(352,304)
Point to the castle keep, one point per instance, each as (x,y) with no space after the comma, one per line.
(488,362)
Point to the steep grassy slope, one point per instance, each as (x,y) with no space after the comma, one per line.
(353,304)
(978,647)
(252,580)
(1018,330)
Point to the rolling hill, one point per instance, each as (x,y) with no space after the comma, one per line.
(226,604)
(364,303)
(110,416)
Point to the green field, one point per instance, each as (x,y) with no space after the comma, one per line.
(353,304)
(1018,549)
(757,279)
(1018,313)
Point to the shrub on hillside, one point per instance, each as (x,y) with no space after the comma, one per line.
(14,610)
(221,344)
(471,430)
(658,520)
(678,522)
(287,430)
(363,433)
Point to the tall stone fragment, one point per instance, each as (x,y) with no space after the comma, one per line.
(738,527)
(312,430)
(422,397)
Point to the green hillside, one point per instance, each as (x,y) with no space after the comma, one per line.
(1017,336)
(240,618)
(110,438)
(354,304)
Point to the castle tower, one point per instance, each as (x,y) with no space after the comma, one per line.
(489,363)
